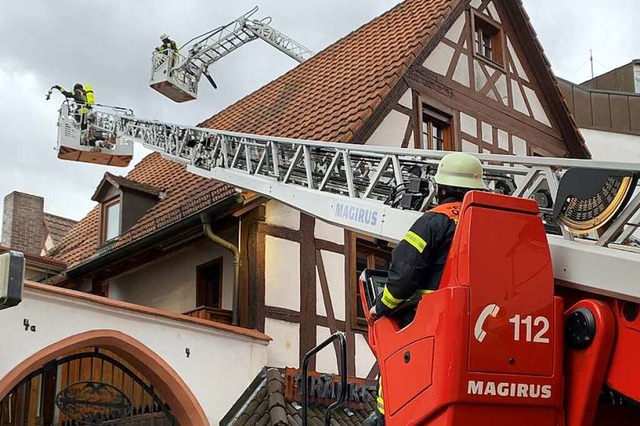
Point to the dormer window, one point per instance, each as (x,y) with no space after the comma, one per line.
(111,224)
(122,203)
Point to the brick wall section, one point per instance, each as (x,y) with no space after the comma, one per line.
(23,223)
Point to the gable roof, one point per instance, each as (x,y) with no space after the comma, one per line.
(57,226)
(121,182)
(264,403)
(186,194)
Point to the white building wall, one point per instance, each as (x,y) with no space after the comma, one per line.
(282,273)
(327,232)
(334,271)
(326,360)
(213,353)
(607,146)
(279,214)
(169,283)
(284,350)
(365,357)
(391,131)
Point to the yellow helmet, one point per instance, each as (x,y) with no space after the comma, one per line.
(460,170)
(163,36)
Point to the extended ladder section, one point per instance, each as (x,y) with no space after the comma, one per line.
(379,191)
(177,76)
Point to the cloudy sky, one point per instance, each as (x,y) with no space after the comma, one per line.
(108,44)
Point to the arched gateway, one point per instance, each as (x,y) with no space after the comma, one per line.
(100,377)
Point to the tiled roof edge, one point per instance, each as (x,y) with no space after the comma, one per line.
(247,396)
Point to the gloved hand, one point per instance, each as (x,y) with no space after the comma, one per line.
(374,314)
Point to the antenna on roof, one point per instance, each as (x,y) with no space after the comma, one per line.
(591,59)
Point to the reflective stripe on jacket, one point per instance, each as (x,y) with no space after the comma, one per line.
(418,260)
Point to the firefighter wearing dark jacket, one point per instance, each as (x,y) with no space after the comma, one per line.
(418,260)
(79,95)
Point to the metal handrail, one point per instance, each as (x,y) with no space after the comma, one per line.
(342,342)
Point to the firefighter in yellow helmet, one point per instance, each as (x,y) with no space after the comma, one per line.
(167,46)
(418,260)
(79,95)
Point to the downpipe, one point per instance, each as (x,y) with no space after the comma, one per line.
(206,227)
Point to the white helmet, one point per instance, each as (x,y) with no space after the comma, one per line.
(460,170)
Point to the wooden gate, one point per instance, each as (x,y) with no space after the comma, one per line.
(92,387)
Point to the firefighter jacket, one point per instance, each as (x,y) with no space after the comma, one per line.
(418,260)
(166,45)
(77,96)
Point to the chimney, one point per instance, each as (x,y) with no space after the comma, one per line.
(23,223)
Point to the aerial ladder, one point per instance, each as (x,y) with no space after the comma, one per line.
(537,312)
(176,75)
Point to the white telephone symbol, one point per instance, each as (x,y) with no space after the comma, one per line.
(490,310)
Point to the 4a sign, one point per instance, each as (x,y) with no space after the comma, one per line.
(323,389)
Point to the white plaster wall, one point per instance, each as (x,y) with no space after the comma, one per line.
(391,130)
(519,68)
(536,107)
(468,124)
(519,146)
(334,270)
(279,214)
(364,357)
(282,273)
(456,29)
(438,61)
(461,73)
(169,283)
(213,353)
(607,146)
(518,99)
(469,146)
(284,349)
(503,140)
(487,133)
(491,10)
(406,100)
(326,360)
(325,231)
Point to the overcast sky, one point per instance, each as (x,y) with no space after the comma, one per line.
(108,44)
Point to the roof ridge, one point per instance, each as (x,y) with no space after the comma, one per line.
(275,389)
(59,217)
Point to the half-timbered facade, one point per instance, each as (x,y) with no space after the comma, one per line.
(441,74)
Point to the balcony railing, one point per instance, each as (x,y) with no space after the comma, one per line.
(212,314)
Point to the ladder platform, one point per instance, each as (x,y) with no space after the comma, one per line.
(169,79)
(98,142)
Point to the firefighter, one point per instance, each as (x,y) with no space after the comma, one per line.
(79,95)
(418,260)
(168,44)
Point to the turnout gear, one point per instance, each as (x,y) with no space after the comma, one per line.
(167,44)
(418,260)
